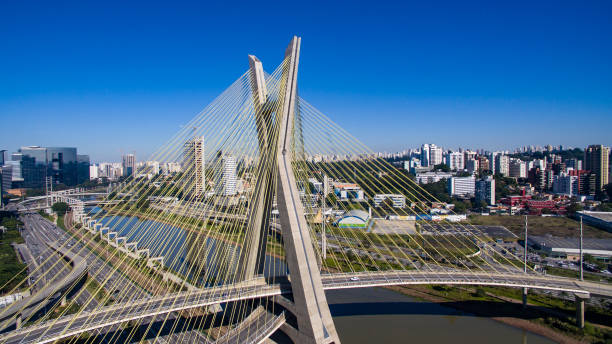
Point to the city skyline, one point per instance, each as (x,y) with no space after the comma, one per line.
(514,76)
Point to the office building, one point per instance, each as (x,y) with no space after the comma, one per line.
(596,160)
(63,165)
(462,186)
(128,164)
(485,190)
(82,168)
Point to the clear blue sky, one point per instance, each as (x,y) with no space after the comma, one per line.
(111,77)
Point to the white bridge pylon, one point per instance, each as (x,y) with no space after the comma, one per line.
(315,324)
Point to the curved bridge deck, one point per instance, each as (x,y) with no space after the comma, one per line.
(68,326)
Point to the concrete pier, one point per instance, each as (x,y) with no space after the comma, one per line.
(580,306)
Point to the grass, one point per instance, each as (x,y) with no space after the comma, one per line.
(539,225)
(12,271)
(574,274)
(60,222)
(45,215)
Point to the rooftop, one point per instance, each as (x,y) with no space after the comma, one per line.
(561,242)
(602,215)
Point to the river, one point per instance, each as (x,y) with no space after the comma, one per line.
(377,315)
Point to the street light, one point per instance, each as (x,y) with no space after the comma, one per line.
(581,263)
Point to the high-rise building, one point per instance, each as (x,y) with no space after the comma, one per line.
(6,179)
(502,165)
(461,186)
(485,190)
(435,155)
(574,164)
(518,168)
(94,171)
(82,168)
(431,155)
(226,180)
(596,160)
(128,164)
(483,164)
(194,165)
(63,165)
(32,168)
(472,166)
(566,185)
(454,161)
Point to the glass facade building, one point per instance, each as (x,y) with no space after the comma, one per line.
(60,163)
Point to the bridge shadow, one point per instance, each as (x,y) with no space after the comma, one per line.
(475,308)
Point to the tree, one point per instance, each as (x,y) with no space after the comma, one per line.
(442,167)
(483,204)
(605,207)
(460,207)
(574,207)
(60,208)
(608,189)
(331,199)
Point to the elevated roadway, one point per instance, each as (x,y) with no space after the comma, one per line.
(73,325)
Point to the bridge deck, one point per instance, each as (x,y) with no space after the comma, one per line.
(72,325)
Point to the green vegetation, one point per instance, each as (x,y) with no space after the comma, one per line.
(574,274)
(504,186)
(12,271)
(538,225)
(60,222)
(60,208)
(45,215)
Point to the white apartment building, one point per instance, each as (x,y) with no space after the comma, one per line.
(93,171)
(228,181)
(455,162)
(462,186)
(502,165)
(432,177)
(431,155)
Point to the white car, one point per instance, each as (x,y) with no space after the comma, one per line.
(354,278)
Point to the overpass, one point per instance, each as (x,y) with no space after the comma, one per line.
(26,307)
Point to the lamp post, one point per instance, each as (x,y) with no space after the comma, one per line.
(581,263)
(525,265)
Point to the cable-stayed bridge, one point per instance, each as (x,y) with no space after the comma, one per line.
(241,244)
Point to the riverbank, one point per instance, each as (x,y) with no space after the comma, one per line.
(534,318)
